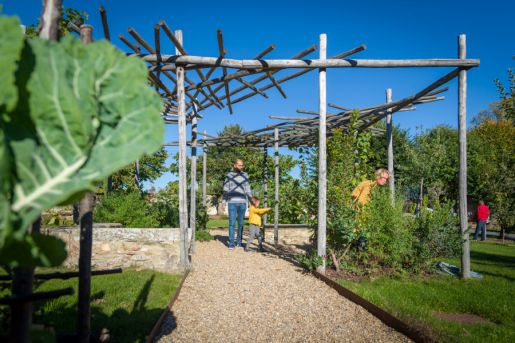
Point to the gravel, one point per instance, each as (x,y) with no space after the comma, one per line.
(238,296)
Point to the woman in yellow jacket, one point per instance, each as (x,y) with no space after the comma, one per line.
(255,214)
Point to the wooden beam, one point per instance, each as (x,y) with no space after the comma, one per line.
(389,144)
(322,162)
(193,180)
(276,199)
(311,64)
(204,173)
(86,243)
(50,20)
(105,26)
(462,175)
(183,201)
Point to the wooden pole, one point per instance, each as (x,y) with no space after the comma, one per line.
(322,162)
(86,243)
(276,200)
(389,144)
(193,179)
(462,128)
(204,173)
(312,64)
(50,19)
(265,186)
(183,202)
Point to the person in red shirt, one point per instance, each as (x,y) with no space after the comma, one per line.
(482,215)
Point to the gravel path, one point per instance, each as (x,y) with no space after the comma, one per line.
(237,296)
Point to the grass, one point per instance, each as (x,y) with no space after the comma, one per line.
(416,299)
(127,304)
(223,222)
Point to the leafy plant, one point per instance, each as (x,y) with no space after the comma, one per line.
(310,260)
(131,210)
(203,236)
(70,115)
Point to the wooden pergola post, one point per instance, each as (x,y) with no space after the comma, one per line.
(193,179)
(322,162)
(183,202)
(86,243)
(389,144)
(204,173)
(265,187)
(462,128)
(276,198)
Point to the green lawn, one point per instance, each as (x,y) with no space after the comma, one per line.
(415,300)
(127,304)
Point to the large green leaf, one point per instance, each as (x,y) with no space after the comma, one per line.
(84,111)
(11,42)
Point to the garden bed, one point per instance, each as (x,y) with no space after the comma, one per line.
(433,304)
(125,306)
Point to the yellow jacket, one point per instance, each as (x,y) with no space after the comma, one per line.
(362,192)
(255,215)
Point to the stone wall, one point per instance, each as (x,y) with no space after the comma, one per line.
(147,248)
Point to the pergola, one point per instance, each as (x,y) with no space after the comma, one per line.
(208,84)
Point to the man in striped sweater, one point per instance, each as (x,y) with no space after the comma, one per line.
(236,193)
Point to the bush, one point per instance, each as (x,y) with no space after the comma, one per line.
(437,234)
(131,210)
(388,232)
(203,236)
(310,260)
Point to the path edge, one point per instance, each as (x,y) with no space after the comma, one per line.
(157,326)
(385,317)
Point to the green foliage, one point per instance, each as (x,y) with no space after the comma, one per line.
(434,158)
(436,235)
(151,167)
(388,232)
(71,109)
(203,236)
(67,15)
(492,159)
(309,260)
(131,210)
(53,218)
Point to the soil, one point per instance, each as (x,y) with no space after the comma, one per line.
(463,318)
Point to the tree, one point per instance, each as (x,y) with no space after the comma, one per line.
(402,146)
(151,167)
(68,15)
(492,155)
(491,160)
(433,160)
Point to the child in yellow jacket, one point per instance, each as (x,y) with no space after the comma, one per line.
(255,214)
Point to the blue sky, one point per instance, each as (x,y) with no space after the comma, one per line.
(391,30)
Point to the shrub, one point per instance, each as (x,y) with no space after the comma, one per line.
(437,234)
(131,210)
(310,260)
(203,236)
(387,230)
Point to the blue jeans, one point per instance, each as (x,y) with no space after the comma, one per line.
(481,226)
(236,210)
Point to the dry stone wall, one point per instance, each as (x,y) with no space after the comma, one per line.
(147,248)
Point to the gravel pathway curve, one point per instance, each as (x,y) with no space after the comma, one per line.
(238,296)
